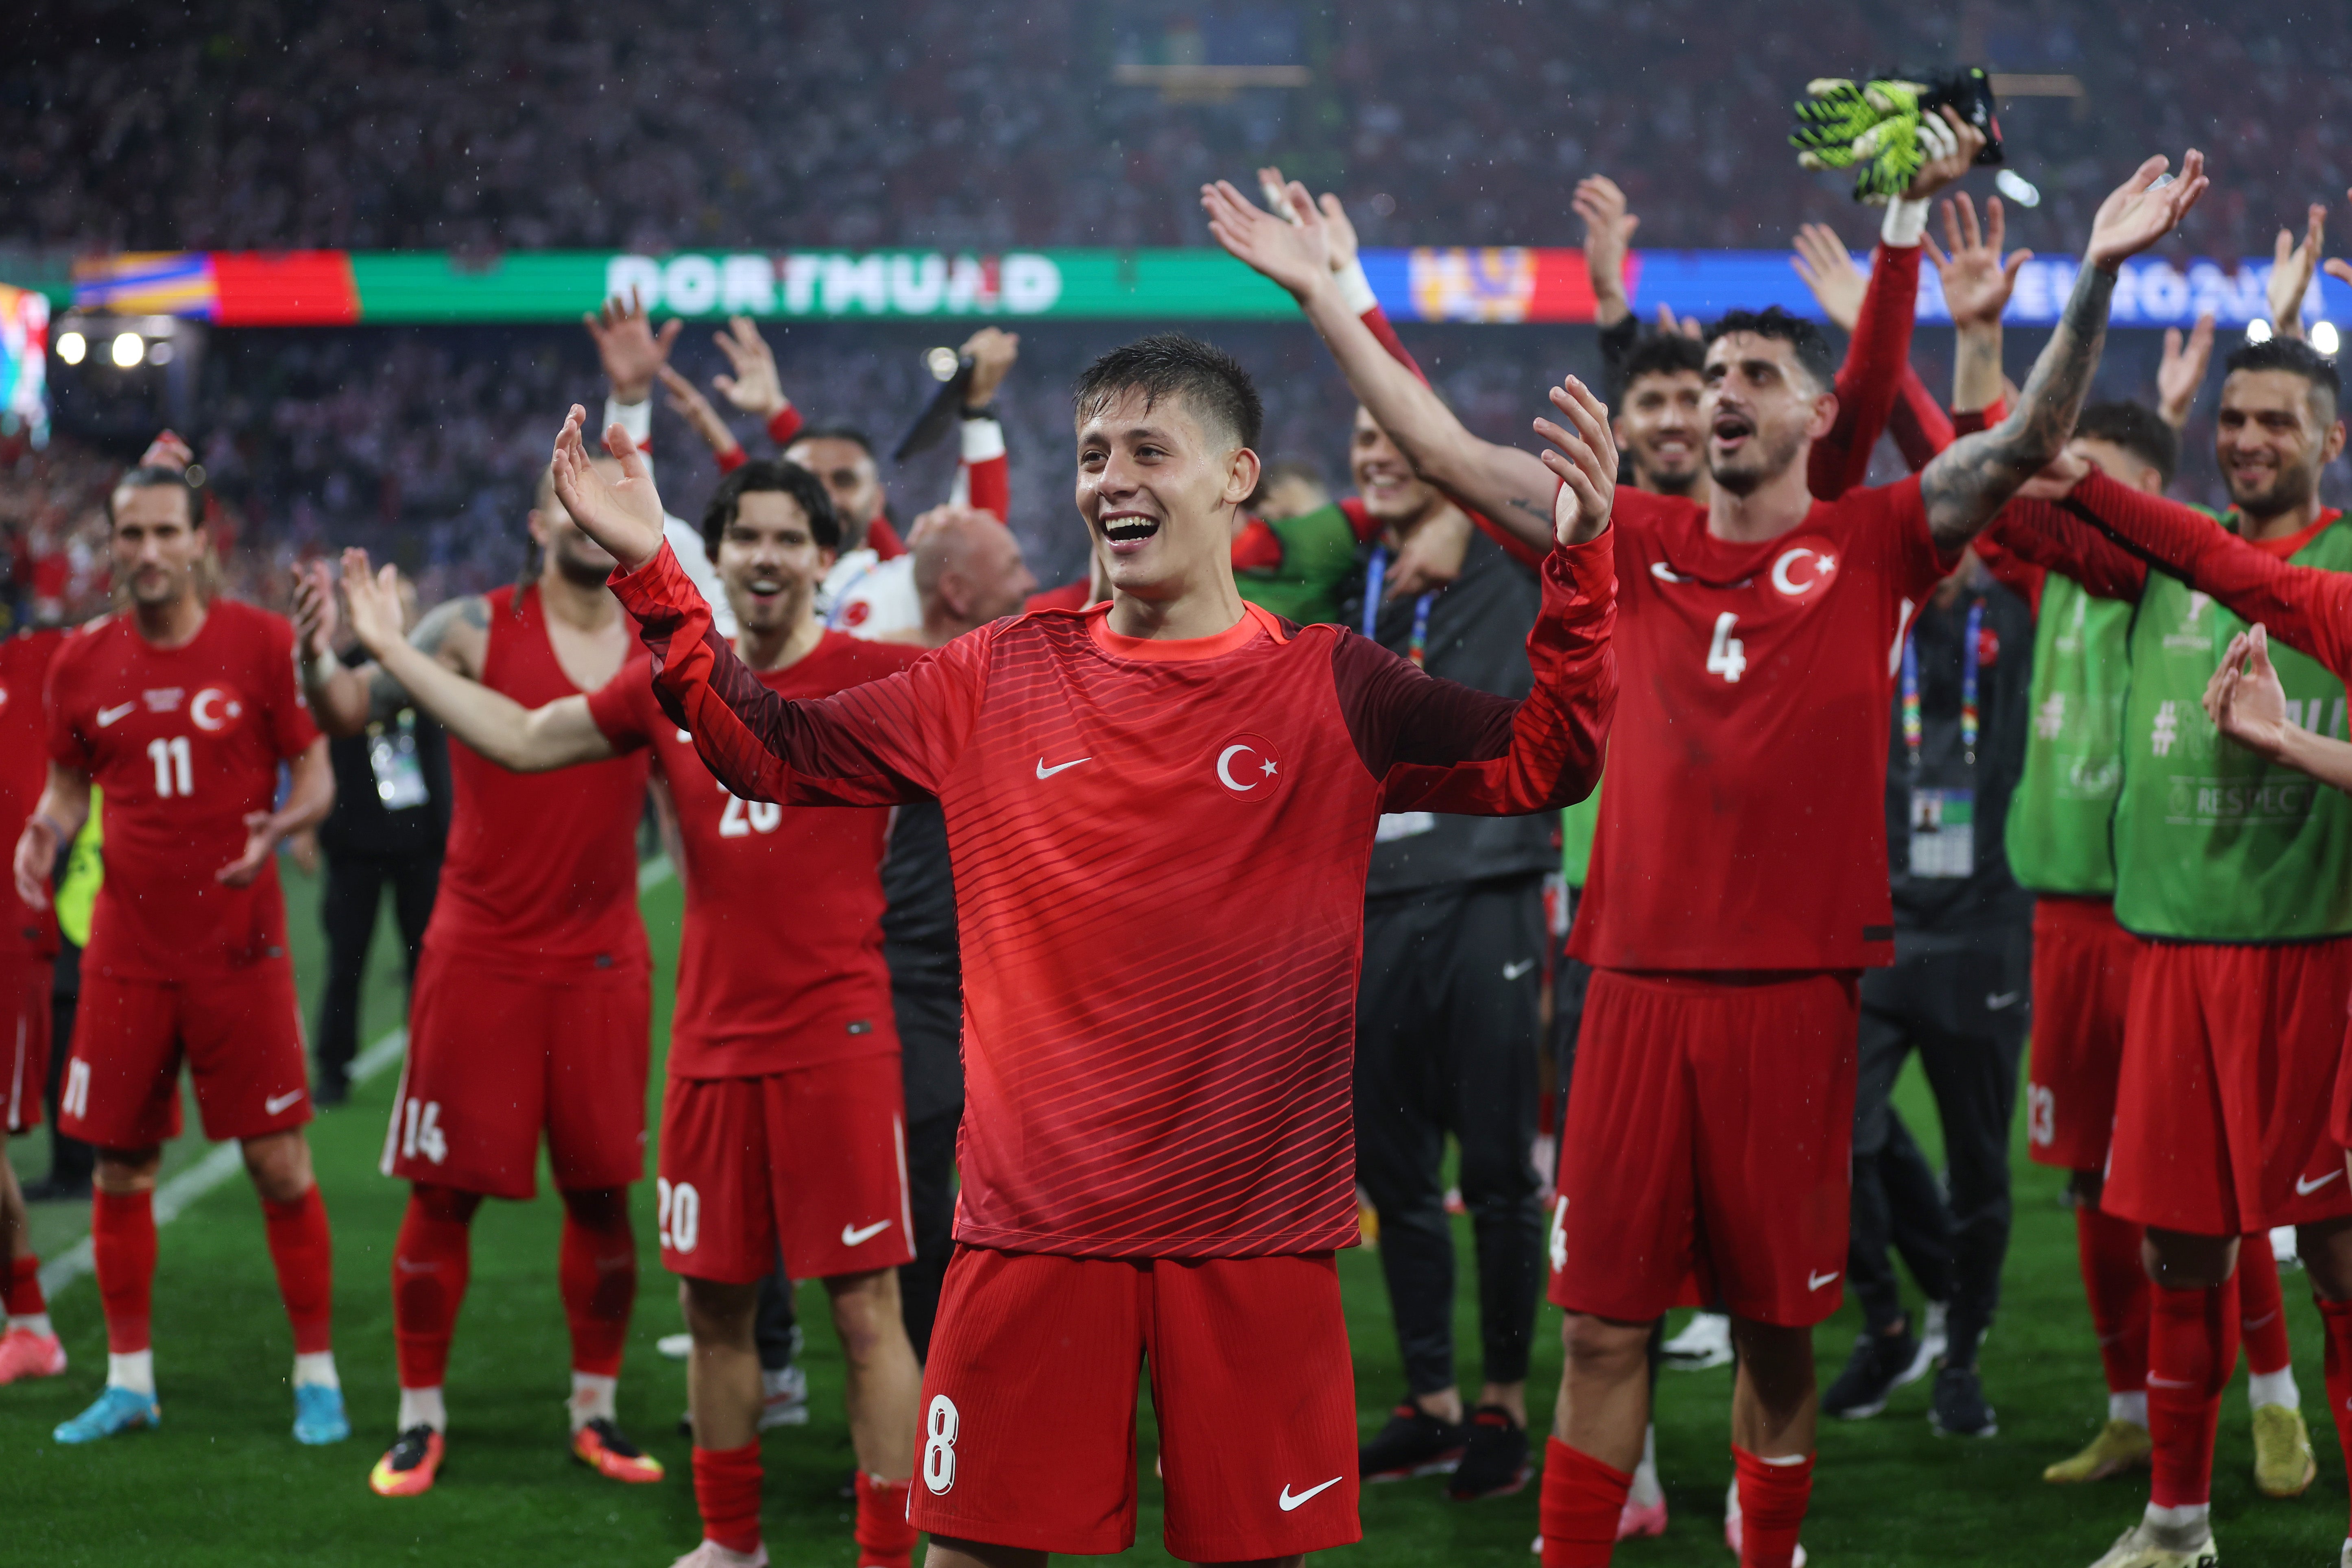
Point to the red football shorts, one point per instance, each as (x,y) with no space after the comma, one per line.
(2230,1068)
(814,1158)
(495,1059)
(1028,1434)
(1707,1148)
(23,1039)
(240,1032)
(2082,985)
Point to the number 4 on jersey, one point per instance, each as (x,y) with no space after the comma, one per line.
(1726,656)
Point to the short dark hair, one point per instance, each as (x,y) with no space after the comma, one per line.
(849,433)
(2294,356)
(1812,347)
(158,477)
(2137,429)
(1173,364)
(1663,353)
(777,475)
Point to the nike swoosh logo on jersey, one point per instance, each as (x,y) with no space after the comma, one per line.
(2304,1189)
(1045,772)
(1996,1000)
(109,715)
(1513,971)
(851,1235)
(278,1102)
(1815,1281)
(1289,1502)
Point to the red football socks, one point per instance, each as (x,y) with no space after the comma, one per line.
(2261,1309)
(430,1263)
(20,1292)
(122,1243)
(2192,1349)
(727,1491)
(2337,1318)
(304,1251)
(884,1539)
(1772,1499)
(598,1269)
(2117,1283)
(1578,1512)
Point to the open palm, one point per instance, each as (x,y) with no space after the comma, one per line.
(623,515)
(2139,212)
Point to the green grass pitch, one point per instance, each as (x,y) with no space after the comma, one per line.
(222,1483)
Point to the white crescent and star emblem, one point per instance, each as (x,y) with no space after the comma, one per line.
(1249,768)
(1804,569)
(213,708)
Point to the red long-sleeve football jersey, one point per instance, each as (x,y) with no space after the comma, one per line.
(1160,853)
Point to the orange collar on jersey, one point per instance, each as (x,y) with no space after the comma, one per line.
(1178,649)
(2285,548)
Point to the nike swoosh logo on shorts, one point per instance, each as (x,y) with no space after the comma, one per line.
(109,715)
(851,1235)
(278,1102)
(1996,1000)
(1045,772)
(1289,1502)
(1815,1281)
(2156,1382)
(2304,1189)
(1513,971)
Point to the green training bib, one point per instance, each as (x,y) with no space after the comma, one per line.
(2057,833)
(1318,551)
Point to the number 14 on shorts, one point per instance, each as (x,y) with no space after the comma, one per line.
(419,1122)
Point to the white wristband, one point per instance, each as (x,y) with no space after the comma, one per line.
(982,439)
(1356,289)
(1905,222)
(636,418)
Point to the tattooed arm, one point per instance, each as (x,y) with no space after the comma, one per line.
(1976,475)
(346,701)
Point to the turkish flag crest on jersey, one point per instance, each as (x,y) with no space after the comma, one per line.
(1804,568)
(1249,767)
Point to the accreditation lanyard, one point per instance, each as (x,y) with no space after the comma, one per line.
(1912,732)
(1375,576)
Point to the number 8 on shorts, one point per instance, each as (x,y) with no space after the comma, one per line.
(940,1423)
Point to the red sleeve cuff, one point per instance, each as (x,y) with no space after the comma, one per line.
(783,425)
(730,460)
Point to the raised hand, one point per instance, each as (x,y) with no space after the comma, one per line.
(376,616)
(625,516)
(2139,212)
(314,610)
(167,451)
(1608,240)
(2293,266)
(1339,231)
(1951,145)
(755,387)
(1686,325)
(1294,255)
(628,346)
(690,405)
(2183,368)
(1828,269)
(1584,459)
(1977,278)
(2245,700)
(992,351)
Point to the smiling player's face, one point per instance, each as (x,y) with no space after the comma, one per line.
(769,562)
(1761,408)
(1157,485)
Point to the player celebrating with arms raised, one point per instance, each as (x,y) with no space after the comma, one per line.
(181,710)
(1710,1117)
(1162,810)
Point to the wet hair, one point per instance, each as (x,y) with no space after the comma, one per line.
(2137,429)
(2295,357)
(771,474)
(1813,349)
(1170,364)
(1663,353)
(157,476)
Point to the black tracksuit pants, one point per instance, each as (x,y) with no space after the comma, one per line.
(1446,1036)
(347,911)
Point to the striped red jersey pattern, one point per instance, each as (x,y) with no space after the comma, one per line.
(1159,852)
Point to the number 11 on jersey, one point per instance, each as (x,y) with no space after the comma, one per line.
(1726,656)
(174,776)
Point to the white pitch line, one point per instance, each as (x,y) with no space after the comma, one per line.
(225,1160)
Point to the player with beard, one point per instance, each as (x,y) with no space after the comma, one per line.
(1719,1031)
(1172,786)
(782,1119)
(530,1008)
(2232,869)
(181,707)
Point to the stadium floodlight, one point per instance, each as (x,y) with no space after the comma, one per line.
(129,349)
(2323,338)
(940,362)
(72,346)
(2258,330)
(2018,188)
